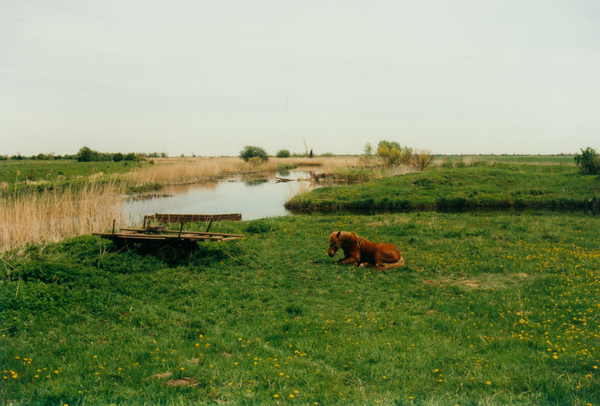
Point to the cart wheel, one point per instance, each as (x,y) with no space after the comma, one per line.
(168,253)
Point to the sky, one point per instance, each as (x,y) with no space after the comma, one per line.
(210,77)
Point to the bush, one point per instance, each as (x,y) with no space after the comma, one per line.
(251,152)
(283,153)
(255,161)
(422,159)
(392,154)
(588,161)
(118,157)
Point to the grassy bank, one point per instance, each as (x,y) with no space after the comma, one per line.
(496,309)
(497,186)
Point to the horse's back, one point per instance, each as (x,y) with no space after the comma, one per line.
(388,252)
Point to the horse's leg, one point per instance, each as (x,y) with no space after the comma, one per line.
(378,259)
(350,260)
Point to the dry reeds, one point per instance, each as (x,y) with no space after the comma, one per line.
(193,170)
(51,216)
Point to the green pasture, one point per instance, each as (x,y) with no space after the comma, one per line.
(21,173)
(489,309)
(480,186)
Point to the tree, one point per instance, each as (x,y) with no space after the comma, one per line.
(87,155)
(283,153)
(588,161)
(392,154)
(118,157)
(252,151)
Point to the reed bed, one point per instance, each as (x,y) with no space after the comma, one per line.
(193,170)
(53,215)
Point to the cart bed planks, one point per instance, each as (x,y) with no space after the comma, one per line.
(170,244)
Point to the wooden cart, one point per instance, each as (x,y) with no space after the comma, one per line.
(170,244)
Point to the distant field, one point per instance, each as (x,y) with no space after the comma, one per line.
(528,159)
(41,172)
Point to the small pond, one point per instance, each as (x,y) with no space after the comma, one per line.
(255,196)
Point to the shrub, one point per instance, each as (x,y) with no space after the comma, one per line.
(588,161)
(251,152)
(422,159)
(392,154)
(255,161)
(283,153)
(118,157)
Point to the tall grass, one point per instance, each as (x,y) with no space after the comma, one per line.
(194,170)
(53,215)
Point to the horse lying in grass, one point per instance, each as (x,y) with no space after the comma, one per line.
(362,252)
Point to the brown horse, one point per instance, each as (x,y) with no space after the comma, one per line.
(362,252)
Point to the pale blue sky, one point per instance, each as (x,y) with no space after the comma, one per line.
(210,77)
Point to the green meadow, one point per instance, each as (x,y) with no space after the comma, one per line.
(479,185)
(12,171)
(491,308)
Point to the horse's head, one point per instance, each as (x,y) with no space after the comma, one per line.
(337,239)
(334,243)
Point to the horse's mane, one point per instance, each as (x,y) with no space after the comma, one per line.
(359,240)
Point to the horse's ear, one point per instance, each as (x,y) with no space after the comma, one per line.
(338,234)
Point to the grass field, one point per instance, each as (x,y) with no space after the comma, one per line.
(19,173)
(498,186)
(490,309)
(522,159)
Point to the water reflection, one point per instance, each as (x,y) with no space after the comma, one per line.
(254,197)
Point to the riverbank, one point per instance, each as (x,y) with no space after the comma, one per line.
(495,186)
(47,201)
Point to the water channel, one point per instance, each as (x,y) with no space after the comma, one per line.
(253,196)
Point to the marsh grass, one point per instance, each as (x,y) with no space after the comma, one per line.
(194,170)
(490,309)
(52,215)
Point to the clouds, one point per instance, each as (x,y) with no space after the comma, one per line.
(212,77)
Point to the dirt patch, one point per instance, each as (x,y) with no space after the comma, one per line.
(161,376)
(182,382)
(468,283)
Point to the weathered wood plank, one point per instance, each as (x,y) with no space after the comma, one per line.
(193,218)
